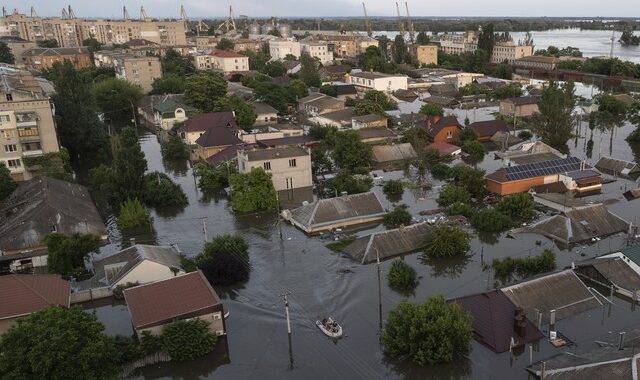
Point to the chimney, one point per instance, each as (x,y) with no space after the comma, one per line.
(520,322)
(132,241)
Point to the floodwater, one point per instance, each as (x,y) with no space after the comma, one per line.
(322,282)
(592,43)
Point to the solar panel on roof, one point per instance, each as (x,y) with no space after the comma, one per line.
(543,168)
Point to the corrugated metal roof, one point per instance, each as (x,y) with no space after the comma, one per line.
(618,167)
(563,292)
(632,253)
(388,244)
(396,152)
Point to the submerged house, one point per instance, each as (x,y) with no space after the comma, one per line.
(328,214)
(41,206)
(388,154)
(611,270)
(385,245)
(497,322)
(617,167)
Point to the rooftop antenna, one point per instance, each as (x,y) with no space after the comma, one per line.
(367,24)
(125,13)
(412,32)
(143,14)
(400,23)
(71,14)
(33,12)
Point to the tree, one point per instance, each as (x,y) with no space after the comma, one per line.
(245,112)
(225,44)
(78,126)
(174,148)
(422,38)
(68,253)
(627,38)
(329,89)
(486,38)
(225,260)
(519,207)
(374,59)
(611,105)
(257,60)
(451,194)
(524,266)
(512,90)
(350,152)
(7,185)
(173,63)
(399,49)
(393,189)
(380,98)
(432,109)
(161,191)
(188,339)
(92,44)
(503,71)
(133,214)
(290,57)
(440,171)
(350,183)
(274,69)
(468,134)
(212,178)
(402,277)
(203,90)
(398,217)
(554,123)
(471,179)
(525,135)
(309,71)
(320,162)
(447,241)
(167,84)
(429,333)
(253,191)
(225,243)
(367,107)
(6,56)
(297,89)
(116,98)
(129,166)
(50,43)
(491,220)
(58,343)
(474,149)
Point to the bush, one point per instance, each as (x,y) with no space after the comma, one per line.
(519,207)
(398,217)
(402,277)
(463,209)
(525,135)
(451,194)
(634,136)
(7,184)
(133,214)
(213,178)
(225,260)
(253,191)
(440,171)
(491,220)
(128,349)
(351,183)
(161,191)
(474,149)
(68,253)
(174,149)
(393,189)
(468,134)
(471,179)
(186,340)
(429,333)
(447,241)
(118,291)
(526,266)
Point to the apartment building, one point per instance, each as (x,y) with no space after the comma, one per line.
(228,61)
(44,58)
(248,45)
(317,49)
(71,31)
(27,125)
(367,80)
(290,167)
(426,54)
(509,52)
(18,46)
(537,62)
(279,49)
(458,43)
(132,68)
(344,46)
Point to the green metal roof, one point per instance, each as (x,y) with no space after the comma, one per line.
(169,106)
(633,253)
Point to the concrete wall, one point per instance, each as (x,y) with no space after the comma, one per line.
(147,271)
(89,295)
(228,64)
(215,321)
(142,71)
(280,49)
(283,175)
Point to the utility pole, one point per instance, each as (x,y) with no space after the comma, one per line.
(286,310)
(133,113)
(204,229)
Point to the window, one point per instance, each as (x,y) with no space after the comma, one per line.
(292,163)
(9,97)
(149,63)
(10,148)
(267,165)
(4,119)
(216,316)
(7,134)
(449,134)
(13,163)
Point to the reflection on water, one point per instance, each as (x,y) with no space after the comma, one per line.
(450,267)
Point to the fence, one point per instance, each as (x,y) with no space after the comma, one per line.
(129,368)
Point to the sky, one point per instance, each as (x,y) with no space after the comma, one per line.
(332,8)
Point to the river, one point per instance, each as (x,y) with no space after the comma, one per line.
(592,43)
(323,283)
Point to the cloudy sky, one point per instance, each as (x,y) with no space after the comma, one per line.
(328,8)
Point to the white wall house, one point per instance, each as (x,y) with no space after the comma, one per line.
(366,80)
(228,61)
(317,49)
(279,49)
(290,167)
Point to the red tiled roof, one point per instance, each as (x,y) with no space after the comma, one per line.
(165,300)
(493,320)
(227,54)
(443,148)
(489,128)
(204,121)
(23,294)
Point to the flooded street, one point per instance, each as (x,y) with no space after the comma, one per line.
(323,282)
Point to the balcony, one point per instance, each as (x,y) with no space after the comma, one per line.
(29,138)
(24,120)
(32,153)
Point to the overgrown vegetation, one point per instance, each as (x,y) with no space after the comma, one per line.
(402,277)
(393,189)
(253,191)
(161,191)
(524,266)
(133,214)
(7,184)
(447,241)
(188,339)
(67,254)
(400,216)
(225,260)
(174,148)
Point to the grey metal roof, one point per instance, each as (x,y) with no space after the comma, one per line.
(395,152)
(618,167)
(273,153)
(369,118)
(533,158)
(43,205)
(632,253)
(112,269)
(378,132)
(388,244)
(615,270)
(563,292)
(328,211)
(261,108)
